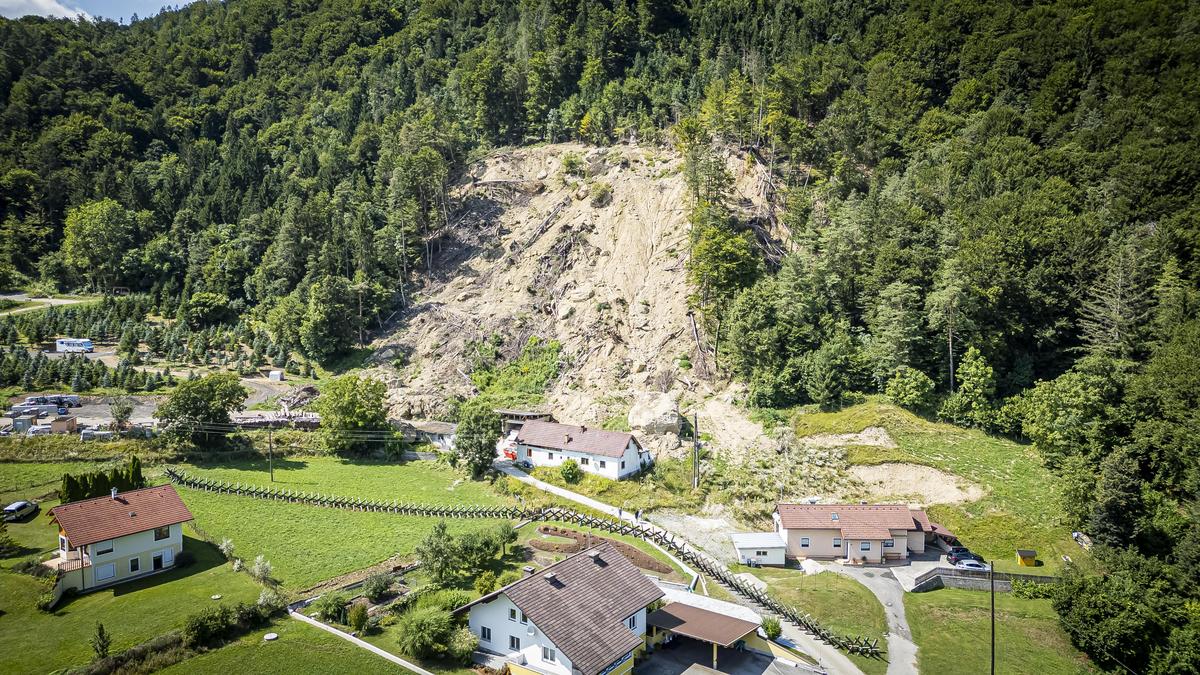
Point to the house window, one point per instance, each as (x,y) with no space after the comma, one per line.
(622,464)
(104,547)
(632,622)
(603,464)
(889,543)
(524,619)
(104,572)
(864,546)
(485,633)
(837,542)
(833,516)
(161,533)
(584,461)
(135,565)
(514,643)
(549,455)
(804,542)
(547,654)
(760,554)
(512,614)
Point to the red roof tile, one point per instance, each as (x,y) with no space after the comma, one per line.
(855,521)
(103,518)
(569,437)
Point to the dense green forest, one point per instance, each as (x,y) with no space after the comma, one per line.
(992,207)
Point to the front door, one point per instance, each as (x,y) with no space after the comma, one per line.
(158,561)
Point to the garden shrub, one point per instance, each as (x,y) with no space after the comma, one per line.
(446,599)
(462,645)
(910,388)
(1031,590)
(261,569)
(508,577)
(485,583)
(272,599)
(571,473)
(771,627)
(357,617)
(425,632)
(331,607)
(376,586)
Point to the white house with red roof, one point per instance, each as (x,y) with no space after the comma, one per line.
(126,535)
(612,454)
(869,533)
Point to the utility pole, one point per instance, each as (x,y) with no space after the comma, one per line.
(271,451)
(992,580)
(695,451)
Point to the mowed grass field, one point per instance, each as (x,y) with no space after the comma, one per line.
(309,544)
(1020,508)
(423,482)
(839,603)
(300,648)
(952,629)
(26,480)
(32,641)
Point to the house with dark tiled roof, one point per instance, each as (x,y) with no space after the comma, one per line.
(612,454)
(123,536)
(869,533)
(585,615)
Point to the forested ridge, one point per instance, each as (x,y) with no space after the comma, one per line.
(989,210)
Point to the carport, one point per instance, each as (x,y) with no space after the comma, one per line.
(703,625)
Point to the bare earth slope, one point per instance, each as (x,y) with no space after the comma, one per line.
(529,254)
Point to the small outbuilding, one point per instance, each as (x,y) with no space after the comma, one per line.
(275,376)
(63,424)
(759,548)
(1026,557)
(23,423)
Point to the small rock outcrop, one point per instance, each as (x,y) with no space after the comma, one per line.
(655,413)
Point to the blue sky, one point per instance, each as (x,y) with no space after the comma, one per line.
(111,9)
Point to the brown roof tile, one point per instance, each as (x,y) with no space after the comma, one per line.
(103,518)
(855,521)
(575,439)
(582,609)
(700,623)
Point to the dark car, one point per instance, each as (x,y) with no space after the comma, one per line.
(961,555)
(18,510)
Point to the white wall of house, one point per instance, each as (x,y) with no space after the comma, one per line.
(772,555)
(116,565)
(916,542)
(609,467)
(497,618)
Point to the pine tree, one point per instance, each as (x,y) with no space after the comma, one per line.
(1115,312)
(1119,505)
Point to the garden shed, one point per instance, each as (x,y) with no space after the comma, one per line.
(1026,557)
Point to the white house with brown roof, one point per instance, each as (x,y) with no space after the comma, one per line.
(859,532)
(612,454)
(585,615)
(109,540)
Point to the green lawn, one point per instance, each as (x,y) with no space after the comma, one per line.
(301,648)
(36,534)
(309,544)
(839,603)
(1021,506)
(668,486)
(25,480)
(424,482)
(952,630)
(32,641)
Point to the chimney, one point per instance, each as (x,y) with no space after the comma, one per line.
(114,493)
(566,438)
(549,576)
(594,555)
(582,429)
(528,570)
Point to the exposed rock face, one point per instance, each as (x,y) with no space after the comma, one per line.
(655,413)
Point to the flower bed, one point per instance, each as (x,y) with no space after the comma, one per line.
(585,540)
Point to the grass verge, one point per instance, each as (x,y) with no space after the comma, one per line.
(952,630)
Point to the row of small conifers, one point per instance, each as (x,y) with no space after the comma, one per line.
(646,532)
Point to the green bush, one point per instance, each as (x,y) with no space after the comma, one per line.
(357,618)
(601,194)
(221,623)
(446,599)
(485,583)
(424,632)
(508,577)
(910,388)
(331,607)
(571,473)
(376,586)
(461,645)
(1031,590)
(572,164)
(771,627)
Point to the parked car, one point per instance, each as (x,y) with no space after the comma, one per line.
(955,557)
(19,510)
(972,565)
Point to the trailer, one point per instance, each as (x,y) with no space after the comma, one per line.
(74,346)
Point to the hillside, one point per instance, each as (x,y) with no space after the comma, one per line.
(531,253)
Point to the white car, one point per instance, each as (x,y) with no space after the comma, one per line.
(18,510)
(972,565)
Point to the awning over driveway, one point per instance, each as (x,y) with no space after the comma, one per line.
(701,624)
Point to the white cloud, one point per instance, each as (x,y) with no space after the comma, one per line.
(14,9)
